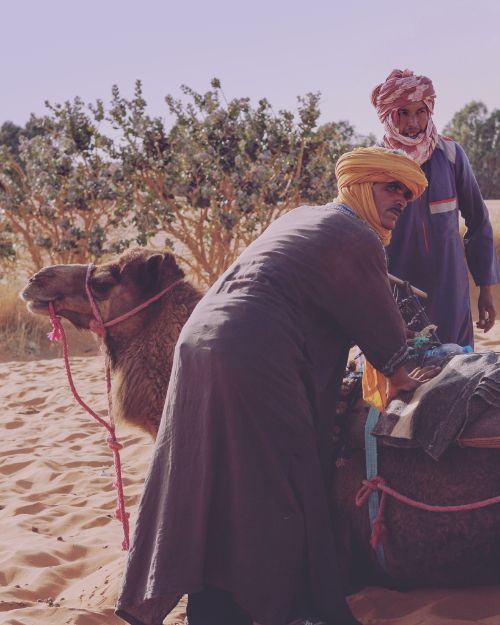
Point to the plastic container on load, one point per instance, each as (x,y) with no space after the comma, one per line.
(437,354)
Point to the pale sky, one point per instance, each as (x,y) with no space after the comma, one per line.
(58,49)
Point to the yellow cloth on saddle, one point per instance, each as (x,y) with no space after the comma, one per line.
(375,387)
(356,171)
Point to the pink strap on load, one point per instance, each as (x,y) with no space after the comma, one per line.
(378,483)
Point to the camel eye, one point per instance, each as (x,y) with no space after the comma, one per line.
(101,287)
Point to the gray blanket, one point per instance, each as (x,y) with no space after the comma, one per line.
(434,416)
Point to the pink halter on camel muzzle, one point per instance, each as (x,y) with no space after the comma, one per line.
(99,327)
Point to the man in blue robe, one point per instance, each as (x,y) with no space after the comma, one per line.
(426,247)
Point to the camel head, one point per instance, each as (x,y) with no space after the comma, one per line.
(117,286)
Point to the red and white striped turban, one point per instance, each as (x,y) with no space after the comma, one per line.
(398,90)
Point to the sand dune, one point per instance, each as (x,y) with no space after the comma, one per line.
(60,553)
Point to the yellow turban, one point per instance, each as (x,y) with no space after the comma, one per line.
(357,170)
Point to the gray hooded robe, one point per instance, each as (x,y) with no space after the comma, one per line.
(237,495)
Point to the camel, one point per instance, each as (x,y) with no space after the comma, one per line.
(421,548)
(140,348)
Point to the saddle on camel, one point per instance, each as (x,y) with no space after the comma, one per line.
(421,455)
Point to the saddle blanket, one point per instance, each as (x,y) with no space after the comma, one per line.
(436,414)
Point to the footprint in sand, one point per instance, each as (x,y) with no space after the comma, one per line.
(35,402)
(64,489)
(12,452)
(33,508)
(73,437)
(13,467)
(98,521)
(37,559)
(16,423)
(24,484)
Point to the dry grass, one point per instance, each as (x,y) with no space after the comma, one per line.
(23,336)
(20,332)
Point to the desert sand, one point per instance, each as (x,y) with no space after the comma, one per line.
(61,559)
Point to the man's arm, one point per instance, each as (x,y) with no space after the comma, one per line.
(479,242)
(486,308)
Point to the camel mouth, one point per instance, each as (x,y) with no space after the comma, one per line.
(39,307)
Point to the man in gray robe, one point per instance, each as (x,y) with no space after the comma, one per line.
(235,510)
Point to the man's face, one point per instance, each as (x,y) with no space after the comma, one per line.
(390,199)
(412,119)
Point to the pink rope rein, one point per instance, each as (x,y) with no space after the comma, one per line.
(120,512)
(99,327)
(378,483)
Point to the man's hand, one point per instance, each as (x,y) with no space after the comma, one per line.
(486,308)
(401,380)
(410,334)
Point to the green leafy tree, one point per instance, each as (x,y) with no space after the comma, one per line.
(208,185)
(7,251)
(224,171)
(11,134)
(478,132)
(58,198)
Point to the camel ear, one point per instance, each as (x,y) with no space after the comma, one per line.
(160,270)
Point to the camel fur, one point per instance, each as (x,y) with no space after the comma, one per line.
(141,347)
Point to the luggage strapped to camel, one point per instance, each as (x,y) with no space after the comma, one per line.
(416,319)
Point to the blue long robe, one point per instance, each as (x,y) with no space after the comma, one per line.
(427,250)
